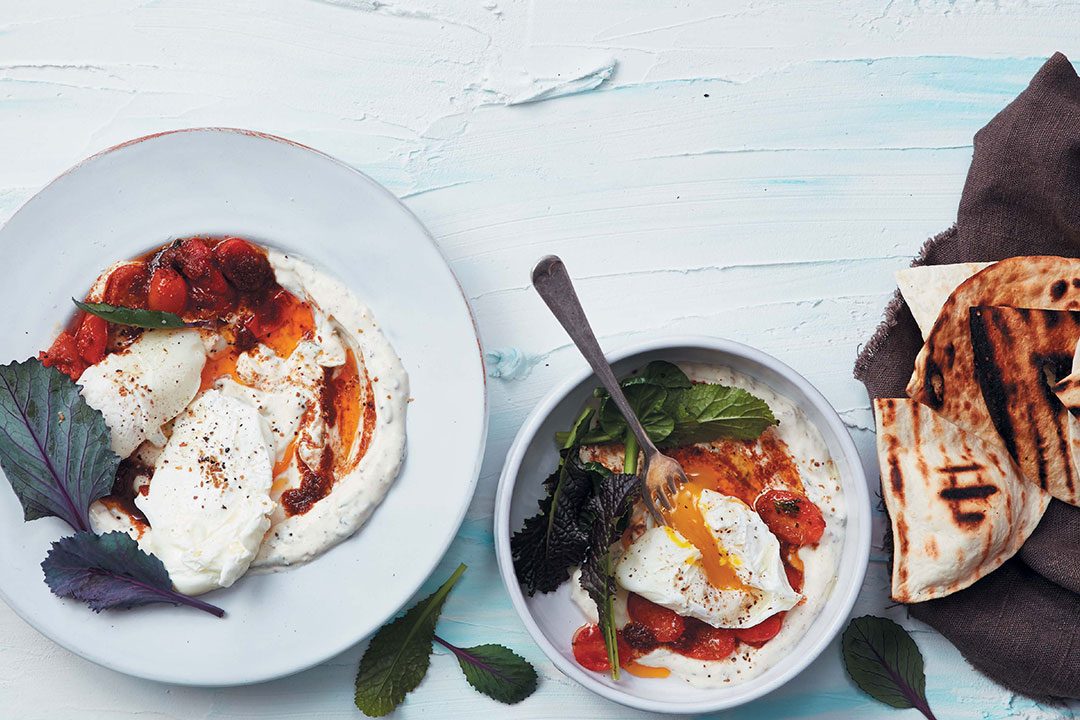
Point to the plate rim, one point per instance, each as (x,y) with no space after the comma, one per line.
(519,446)
(339,648)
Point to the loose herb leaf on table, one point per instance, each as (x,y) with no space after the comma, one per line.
(398,656)
(110,571)
(609,507)
(137,317)
(495,671)
(885,663)
(54,448)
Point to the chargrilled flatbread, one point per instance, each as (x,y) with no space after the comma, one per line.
(958,505)
(1019,353)
(944,375)
(926,288)
(1068,392)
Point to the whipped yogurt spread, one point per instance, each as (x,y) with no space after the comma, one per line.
(242,454)
(663,567)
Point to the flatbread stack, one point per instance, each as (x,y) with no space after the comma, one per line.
(990,430)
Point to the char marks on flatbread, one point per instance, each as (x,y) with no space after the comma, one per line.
(1018,355)
(944,375)
(958,505)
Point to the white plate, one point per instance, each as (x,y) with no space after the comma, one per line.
(552,619)
(213,181)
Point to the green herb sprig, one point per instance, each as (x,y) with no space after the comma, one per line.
(137,317)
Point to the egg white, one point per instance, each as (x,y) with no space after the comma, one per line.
(664,567)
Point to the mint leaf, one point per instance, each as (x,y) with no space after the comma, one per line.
(885,663)
(54,448)
(647,400)
(705,412)
(614,498)
(398,656)
(495,671)
(149,319)
(646,392)
(110,571)
(660,373)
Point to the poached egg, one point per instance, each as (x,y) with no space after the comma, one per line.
(141,388)
(718,562)
(209,503)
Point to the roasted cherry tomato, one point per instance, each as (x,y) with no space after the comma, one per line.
(591,653)
(64,356)
(245,265)
(665,625)
(212,294)
(702,641)
(195,258)
(168,291)
(761,633)
(91,338)
(791,516)
(639,637)
(126,286)
(589,650)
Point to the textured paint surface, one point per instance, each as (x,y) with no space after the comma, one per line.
(753,170)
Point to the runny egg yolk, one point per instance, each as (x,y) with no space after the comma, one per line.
(296,322)
(686,518)
(646,671)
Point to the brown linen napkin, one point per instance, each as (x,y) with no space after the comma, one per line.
(1021,624)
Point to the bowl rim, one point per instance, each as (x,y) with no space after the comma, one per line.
(858,502)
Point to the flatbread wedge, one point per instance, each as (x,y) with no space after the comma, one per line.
(1068,392)
(925,289)
(958,505)
(944,375)
(1019,353)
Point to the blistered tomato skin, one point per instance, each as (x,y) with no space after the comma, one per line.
(168,291)
(761,633)
(702,641)
(64,356)
(91,338)
(591,653)
(589,650)
(195,258)
(126,286)
(664,624)
(212,293)
(245,265)
(791,517)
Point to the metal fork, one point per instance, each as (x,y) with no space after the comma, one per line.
(663,475)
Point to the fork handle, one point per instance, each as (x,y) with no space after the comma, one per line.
(553,284)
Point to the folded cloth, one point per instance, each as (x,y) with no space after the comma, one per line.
(1020,625)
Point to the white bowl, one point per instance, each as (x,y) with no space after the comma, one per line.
(552,618)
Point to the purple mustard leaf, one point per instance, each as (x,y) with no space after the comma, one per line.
(54,448)
(110,571)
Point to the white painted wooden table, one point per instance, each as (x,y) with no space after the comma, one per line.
(755,170)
